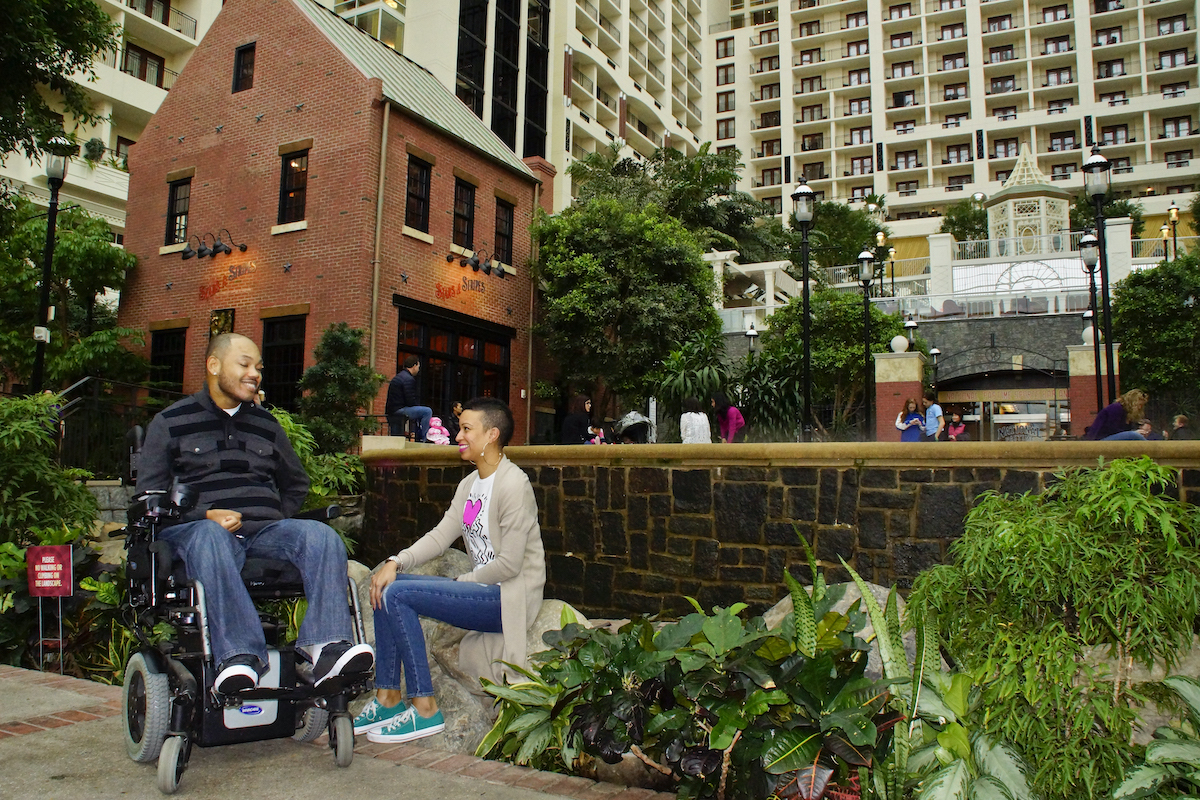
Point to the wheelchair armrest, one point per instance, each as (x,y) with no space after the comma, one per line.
(321,514)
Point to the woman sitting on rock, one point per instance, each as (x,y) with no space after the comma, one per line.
(495,513)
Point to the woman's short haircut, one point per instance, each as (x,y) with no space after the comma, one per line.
(495,413)
(692,406)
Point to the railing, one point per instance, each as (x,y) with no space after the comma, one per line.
(1018,246)
(656,11)
(96,416)
(1035,302)
(583,80)
(657,42)
(607,99)
(137,66)
(1154,248)
(163,14)
(590,9)
(905,270)
(639,23)
(607,26)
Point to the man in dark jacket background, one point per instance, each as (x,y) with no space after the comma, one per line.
(404,401)
(249,482)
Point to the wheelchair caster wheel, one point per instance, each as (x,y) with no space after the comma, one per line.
(341,739)
(172,761)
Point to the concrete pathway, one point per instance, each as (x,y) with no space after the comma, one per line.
(61,739)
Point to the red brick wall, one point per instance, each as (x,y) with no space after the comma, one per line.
(236,186)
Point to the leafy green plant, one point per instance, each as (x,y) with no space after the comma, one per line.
(331,474)
(723,705)
(1172,766)
(338,386)
(35,492)
(1042,587)
(694,369)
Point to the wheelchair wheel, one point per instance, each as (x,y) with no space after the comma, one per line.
(146,708)
(312,724)
(341,739)
(171,764)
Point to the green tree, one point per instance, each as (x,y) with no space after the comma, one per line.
(1083,212)
(338,386)
(1157,322)
(43,43)
(965,220)
(772,397)
(86,266)
(840,232)
(1194,211)
(696,190)
(621,288)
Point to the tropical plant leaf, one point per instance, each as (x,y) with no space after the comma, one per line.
(724,631)
(1188,690)
(857,754)
(806,622)
(535,742)
(790,750)
(948,783)
(954,738)
(891,613)
(812,781)
(854,722)
(988,788)
(894,665)
(1172,752)
(1141,782)
(1000,761)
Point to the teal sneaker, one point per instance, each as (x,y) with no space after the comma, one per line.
(375,715)
(408,726)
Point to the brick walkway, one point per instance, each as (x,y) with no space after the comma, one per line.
(108,704)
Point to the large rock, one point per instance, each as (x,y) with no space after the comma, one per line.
(776,613)
(469,713)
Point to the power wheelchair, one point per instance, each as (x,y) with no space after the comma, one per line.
(169,703)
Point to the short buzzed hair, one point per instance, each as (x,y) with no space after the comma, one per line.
(495,413)
(411,361)
(219,345)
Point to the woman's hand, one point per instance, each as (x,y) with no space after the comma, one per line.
(381,580)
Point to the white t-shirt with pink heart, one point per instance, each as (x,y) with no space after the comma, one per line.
(475,522)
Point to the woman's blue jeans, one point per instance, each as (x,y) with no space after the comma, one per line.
(399,641)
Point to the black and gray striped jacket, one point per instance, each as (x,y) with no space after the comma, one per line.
(242,462)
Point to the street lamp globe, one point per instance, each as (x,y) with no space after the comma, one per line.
(1095,174)
(804,199)
(866,265)
(1089,250)
(1173,213)
(57,150)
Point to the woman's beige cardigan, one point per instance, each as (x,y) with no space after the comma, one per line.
(519,567)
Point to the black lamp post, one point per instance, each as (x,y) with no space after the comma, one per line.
(1165,232)
(803,198)
(1089,251)
(56,172)
(1095,171)
(934,353)
(866,273)
(1173,215)
(892,267)
(751,337)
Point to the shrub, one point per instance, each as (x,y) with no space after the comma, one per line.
(35,492)
(338,386)
(1041,587)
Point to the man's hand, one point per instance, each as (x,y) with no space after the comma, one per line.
(381,580)
(229,520)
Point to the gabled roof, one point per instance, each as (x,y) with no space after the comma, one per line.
(411,87)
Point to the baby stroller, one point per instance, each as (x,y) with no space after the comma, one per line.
(169,703)
(633,428)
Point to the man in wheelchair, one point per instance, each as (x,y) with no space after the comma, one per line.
(248,483)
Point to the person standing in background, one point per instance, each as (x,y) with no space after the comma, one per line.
(935,423)
(729,420)
(910,421)
(693,425)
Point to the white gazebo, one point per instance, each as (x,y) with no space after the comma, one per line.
(1029,212)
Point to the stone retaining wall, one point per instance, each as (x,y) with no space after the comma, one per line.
(634,528)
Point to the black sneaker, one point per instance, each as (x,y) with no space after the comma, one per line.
(237,674)
(342,658)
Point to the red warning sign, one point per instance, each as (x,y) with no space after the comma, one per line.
(49,568)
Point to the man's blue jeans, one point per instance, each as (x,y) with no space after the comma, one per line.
(214,557)
(419,414)
(399,640)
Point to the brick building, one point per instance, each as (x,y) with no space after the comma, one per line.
(342,183)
